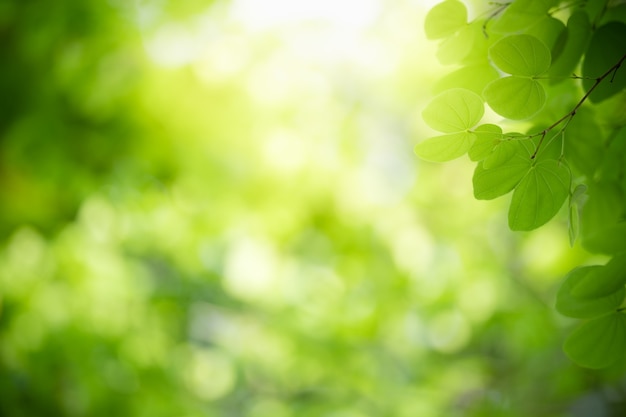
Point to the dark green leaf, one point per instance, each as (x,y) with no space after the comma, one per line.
(584,308)
(599,342)
(575,43)
(606,48)
(604,280)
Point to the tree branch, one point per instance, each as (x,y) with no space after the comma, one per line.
(543,133)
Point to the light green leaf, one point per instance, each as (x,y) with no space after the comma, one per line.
(472,77)
(585,308)
(522,55)
(599,342)
(445,19)
(487,136)
(495,182)
(446,147)
(603,281)
(504,151)
(606,47)
(521,14)
(576,40)
(454,111)
(539,195)
(455,48)
(515,97)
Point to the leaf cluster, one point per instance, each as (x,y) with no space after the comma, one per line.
(552,71)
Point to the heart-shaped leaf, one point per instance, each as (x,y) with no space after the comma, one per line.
(539,195)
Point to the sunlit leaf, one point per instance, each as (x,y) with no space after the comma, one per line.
(599,342)
(522,55)
(605,49)
(455,48)
(603,281)
(487,137)
(539,195)
(504,151)
(471,77)
(583,308)
(515,97)
(521,14)
(445,18)
(495,182)
(446,147)
(454,110)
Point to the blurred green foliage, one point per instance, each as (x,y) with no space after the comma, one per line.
(238,227)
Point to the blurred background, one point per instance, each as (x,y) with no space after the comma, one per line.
(212,208)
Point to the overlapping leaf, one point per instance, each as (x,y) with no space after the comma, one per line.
(539,195)
(487,137)
(575,42)
(453,112)
(445,19)
(522,55)
(598,343)
(521,14)
(570,305)
(606,47)
(603,281)
(515,97)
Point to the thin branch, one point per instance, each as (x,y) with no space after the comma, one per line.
(493,15)
(612,70)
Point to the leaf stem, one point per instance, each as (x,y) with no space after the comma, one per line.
(570,115)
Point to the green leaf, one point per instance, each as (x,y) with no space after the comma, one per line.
(455,48)
(583,143)
(548,30)
(576,201)
(608,239)
(585,308)
(604,280)
(605,49)
(539,195)
(576,40)
(522,55)
(599,342)
(495,182)
(515,97)
(521,14)
(445,19)
(504,151)
(454,111)
(472,77)
(487,137)
(446,147)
